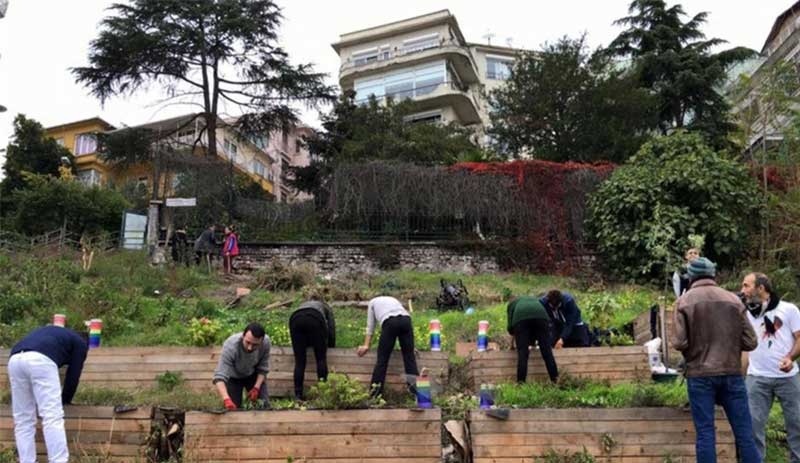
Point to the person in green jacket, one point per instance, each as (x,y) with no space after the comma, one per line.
(528,322)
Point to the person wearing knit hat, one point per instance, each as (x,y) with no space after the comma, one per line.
(711,330)
(701,268)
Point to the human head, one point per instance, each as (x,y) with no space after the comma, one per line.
(253,336)
(554,298)
(691,254)
(701,268)
(757,287)
(212,227)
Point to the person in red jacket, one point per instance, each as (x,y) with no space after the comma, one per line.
(230,248)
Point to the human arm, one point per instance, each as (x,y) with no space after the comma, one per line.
(749,338)
(79,352)
(331,322)
(680,337)
(787,362)
(510,313)
(371,322)
(572,316)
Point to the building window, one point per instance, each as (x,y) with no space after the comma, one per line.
(259,168)
(85,143)
(420,43)
(426,117)
(259,140)
(297,145)
(498,68)
(407,83)
(371,55)
(230,149)
(89,177)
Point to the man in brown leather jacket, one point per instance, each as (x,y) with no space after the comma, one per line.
(711,330)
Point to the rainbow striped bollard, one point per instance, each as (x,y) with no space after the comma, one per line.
(483,335)
(435,329)
(486,396)
(95,329)
(424,392)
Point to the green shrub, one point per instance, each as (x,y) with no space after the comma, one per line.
(203,331)
(675,186)
(570,393)
(169,380)
(340,392)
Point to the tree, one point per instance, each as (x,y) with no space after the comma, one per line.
(563,103)
(767,100)
(672,58)
(31,151)
(220,52)
(675,186)
(356,133)
(48,203)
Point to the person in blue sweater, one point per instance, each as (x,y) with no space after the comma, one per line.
(35,385)
(570,331)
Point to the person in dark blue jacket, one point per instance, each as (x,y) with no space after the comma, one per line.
(35,385)
(570,331)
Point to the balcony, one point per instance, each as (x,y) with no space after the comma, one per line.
(437,96)
(458,55)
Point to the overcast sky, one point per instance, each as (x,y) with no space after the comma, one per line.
(41,39)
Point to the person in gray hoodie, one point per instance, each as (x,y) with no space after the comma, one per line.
(243,366)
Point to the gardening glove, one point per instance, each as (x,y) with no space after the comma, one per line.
(253,394)
(229,404)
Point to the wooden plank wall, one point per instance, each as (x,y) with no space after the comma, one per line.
(622,364)
(93,433)
(133,368)
(341,436)
(639,435)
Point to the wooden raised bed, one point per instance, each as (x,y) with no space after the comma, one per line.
(133,368)
(627,435)
(330,436)
(92,432)
(622,364)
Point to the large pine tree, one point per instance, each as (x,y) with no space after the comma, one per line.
(672,58)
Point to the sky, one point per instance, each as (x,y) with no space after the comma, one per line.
(41,39)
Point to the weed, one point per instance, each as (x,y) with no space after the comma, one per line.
(169,380)
(340,392)
(553,456)
(204,332)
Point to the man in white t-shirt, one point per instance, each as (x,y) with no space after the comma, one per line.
(772,370)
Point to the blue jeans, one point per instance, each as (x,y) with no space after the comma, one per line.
(730,392)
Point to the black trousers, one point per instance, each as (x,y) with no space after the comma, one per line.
(525,333)
(307,330)
(236,386)
(394,329)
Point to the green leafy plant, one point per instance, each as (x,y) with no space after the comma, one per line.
(553,456)
(340,392)
(608,442)
(204,331)
(675,186)
(169,380)
(8,455)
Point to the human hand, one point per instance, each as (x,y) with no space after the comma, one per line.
(362,350)
(229,404)
(559,343)
(253,394)
(786,364)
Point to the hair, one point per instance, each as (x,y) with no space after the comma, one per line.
(256,329)
(692,249)
(763,280)
(553,296)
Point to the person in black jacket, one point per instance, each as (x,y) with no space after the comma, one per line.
(311,325)
(570,331)
(35,386)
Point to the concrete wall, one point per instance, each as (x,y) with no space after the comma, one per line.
(344,258)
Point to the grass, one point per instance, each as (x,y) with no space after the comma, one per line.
(571,393)
(144,306)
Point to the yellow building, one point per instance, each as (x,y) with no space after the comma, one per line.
(80,138)
(248,155)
